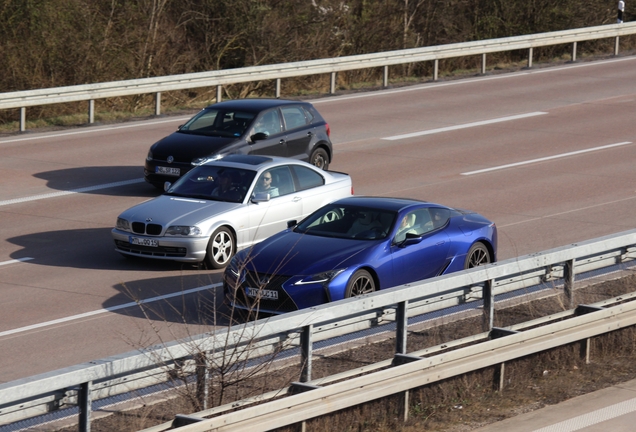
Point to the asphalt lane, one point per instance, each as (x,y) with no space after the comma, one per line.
(567,179)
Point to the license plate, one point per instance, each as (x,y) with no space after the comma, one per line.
(168,171)
(144,242)
(262,293)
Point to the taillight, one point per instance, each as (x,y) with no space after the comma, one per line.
(328,129)
(351,189)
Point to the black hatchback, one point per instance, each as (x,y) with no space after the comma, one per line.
(272,127)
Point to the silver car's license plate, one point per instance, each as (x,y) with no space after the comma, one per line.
(168,171)
(144,242)
(261,293)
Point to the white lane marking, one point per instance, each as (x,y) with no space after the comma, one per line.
(464,126)
(102,311)
(73,191)
(604,204)
(15,261)
(90,130)
(592,418)
(562,155)
(437,84)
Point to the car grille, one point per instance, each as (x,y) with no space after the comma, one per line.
(284,303)
(161,251)
(148,229)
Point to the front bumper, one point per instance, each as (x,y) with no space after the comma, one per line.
(183,249)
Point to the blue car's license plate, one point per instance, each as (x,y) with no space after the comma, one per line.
(261,293)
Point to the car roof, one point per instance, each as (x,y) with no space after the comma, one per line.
(255,104)
(384,203)
(252,161)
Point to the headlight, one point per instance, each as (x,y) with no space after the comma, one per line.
(122,224)
(149,157)
(323,277)
(179,230)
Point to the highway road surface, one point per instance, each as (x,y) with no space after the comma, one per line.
(548,154)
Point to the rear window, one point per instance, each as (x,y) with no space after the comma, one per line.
(307,178)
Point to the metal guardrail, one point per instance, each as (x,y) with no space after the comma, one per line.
(84,383)
(403,373)
(276,72)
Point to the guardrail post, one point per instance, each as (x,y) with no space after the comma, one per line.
(219,91)
(385,76)
(568,283)
(585,350)
(22,119)
(574,52)
(157,103)
(489,306)
(530,57)
(84,402)
(483,64)
(401,322)
(616,46)
(91,111)
(277,88)
(332,84)
(305,353)
(435,69)
(500,379)
(203,379)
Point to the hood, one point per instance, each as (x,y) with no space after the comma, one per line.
(185,147)
(169,210)
(297,254)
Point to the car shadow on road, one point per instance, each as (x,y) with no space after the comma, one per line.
(101,180)
(192,296)
(90,248)
(195,300)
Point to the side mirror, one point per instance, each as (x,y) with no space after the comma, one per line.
(260,197)
(166,186)
(292,223)
(411,239)
(259,136)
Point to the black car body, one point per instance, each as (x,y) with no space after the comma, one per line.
(273,127)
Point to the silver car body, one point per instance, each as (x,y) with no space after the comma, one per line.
(141,230)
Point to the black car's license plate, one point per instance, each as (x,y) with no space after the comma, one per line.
(168,171)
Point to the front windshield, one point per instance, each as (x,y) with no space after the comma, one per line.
(216,122)
(348,221)
(213,182)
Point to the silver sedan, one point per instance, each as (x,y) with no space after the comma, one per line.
(226,205)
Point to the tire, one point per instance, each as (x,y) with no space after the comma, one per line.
(319,158)
(360,283)
(477,255)
(220,248)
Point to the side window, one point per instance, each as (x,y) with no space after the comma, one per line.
(439,216)
(282,180)
(422,221)
(268,123)
(294,117)
(307,178)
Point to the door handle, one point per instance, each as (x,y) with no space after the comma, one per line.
(296,199)
(309,133)
(281,141)
(440,243)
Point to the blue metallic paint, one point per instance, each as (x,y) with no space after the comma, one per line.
(301,255)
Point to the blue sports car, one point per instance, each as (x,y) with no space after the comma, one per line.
(354,246)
